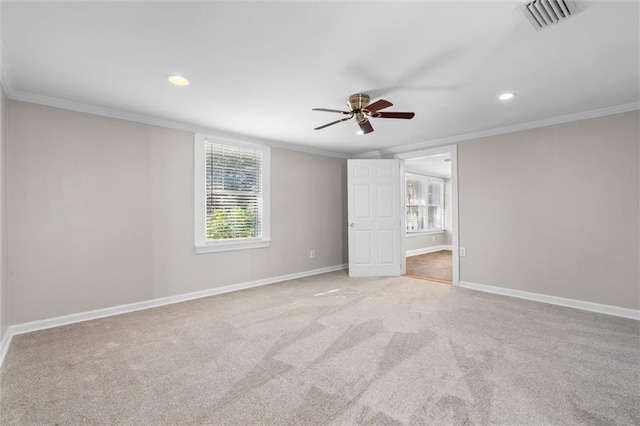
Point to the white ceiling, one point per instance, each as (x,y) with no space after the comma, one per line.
(438,165)
(258,68)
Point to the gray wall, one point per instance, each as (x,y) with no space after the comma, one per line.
(3,215)
(101,213)
(555,210)
(425,241)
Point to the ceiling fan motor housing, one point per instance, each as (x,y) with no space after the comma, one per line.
(358,101)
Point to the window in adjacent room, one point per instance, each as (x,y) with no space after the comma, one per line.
(424,203)
(232,195)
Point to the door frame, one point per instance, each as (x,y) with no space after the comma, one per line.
(455,244)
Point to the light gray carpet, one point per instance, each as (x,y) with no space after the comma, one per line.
(374,351)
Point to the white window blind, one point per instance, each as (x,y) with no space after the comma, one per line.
(234,192)
(424,203)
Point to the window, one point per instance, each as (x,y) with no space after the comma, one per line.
(231,195)
(425,203)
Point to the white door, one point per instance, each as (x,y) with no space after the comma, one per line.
(375,217)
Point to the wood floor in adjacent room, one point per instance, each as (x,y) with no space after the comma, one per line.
(436,266)
(330,350)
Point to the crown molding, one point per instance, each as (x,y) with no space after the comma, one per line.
(634,106)
(146,119)
(6,82)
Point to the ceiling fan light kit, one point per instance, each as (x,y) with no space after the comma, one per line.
(361,109)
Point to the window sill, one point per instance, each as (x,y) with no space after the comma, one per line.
(230,246)
(421,233)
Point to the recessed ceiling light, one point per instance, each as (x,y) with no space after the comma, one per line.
(178,80)
(507,95)
(360,132)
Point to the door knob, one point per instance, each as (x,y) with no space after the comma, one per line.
(352,224)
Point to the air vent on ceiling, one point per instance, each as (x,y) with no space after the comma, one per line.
(542,13)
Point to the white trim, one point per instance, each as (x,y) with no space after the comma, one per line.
(403,219)
(4,344)
(146,119)
(423,233)
(213,247)
(619,109)
(425,250)
(201,244)
(455,244)
(428,152)
(554,300)
(148,304)
(6,81)
(199,176)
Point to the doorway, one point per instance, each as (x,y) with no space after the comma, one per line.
(430,204)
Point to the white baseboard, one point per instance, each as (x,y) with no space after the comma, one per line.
(554,300)
(4,345)
(147,304)
(425,250)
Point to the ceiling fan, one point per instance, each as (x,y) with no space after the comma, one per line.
(360,108)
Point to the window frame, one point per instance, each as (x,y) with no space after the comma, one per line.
(426,180)
(202,245)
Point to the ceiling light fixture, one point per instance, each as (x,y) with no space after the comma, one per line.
(178,80)
(507,96)
(360,132)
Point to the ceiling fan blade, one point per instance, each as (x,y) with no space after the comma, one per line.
(405,115)
(366,127)
(378,105)
(331,110)
(334,122)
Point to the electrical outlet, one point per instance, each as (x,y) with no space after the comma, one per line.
(463,251)
(312,254)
